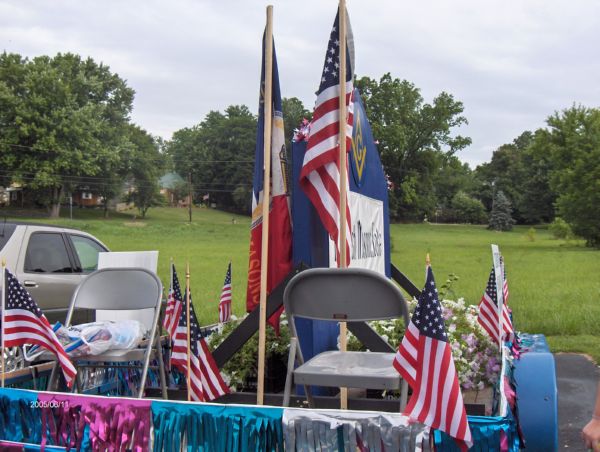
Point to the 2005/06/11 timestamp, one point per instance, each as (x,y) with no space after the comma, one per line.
(49,404)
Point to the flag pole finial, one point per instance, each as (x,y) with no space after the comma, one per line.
(427,260)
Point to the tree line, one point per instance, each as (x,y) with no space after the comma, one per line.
(64,121)
(64,124)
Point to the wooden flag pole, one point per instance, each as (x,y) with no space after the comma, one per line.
(343,176)
(267,117)
(3,309)
(427,261)
(188,340)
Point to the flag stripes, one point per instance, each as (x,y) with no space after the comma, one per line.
(206,382)
(488,311)
(424,359)
(225,301)
(320,173)
(25,323)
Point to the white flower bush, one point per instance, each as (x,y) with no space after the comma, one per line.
(476,357)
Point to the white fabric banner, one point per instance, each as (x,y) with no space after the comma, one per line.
(368,247)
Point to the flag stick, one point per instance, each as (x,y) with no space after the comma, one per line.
(499,290)
(187,315)
(171,287)
(3,309)
(343,176)
(267,117)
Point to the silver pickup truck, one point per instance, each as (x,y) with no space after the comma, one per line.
(50,262)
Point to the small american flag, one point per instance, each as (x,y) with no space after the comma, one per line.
(174,303)
(320,174)
(505,283)
(424,359)
(25,323)
(206,382)
(225,302)
(488,311)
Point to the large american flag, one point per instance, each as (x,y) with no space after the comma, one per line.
(225,301)
(424,359)
(320,174)
(206,382)
(25,323)
(488,310)
(174,303)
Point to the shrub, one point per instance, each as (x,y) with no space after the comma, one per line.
(467,209)
(241,370)
(560,229)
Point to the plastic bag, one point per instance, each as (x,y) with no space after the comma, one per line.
(98,337)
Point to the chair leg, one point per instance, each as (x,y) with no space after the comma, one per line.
(51,383)
(161,368)
(145,367)
(403,394)
(309,397)
(290,371)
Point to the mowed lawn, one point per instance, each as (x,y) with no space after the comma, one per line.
(554,284)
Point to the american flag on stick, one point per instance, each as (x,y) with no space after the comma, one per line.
(206,382)
(225,301)
(174,304)
(320,174)
(424,359)
(488,310)
(25,323)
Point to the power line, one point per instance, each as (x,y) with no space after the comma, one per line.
(156,159)
(99,182)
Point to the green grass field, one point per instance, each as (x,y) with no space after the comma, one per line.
(554,285)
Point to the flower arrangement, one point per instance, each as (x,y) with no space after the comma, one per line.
(476,357)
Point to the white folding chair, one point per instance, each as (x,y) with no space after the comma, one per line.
(121,289)
(348,295)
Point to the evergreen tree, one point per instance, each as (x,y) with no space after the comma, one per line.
(500,218)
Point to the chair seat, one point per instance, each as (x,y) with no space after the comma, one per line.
(370,370)
(136,354)
(120,356)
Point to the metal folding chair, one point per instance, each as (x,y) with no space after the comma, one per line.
(121,289)
(349,295)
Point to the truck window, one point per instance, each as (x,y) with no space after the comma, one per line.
(87,250)
(47,253)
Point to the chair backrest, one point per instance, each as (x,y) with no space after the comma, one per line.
(350,295)
(117,289)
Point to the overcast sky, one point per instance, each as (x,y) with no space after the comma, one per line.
(511,62)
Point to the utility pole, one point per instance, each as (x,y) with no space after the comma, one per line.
(190,191)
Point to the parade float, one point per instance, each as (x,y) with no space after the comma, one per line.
(507,379)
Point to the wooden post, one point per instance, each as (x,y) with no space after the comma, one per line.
(3,309)
(267,117)
(343,176)
(190,195)
(187,316)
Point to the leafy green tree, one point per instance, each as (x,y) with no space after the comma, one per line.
(219,154)
(572,142)
(500,218)
(293,114)
(62,118)
(411,134)
(146,165)
(522,174)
